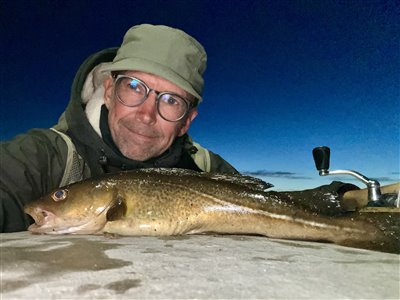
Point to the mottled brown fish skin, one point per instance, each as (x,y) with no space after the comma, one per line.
(173,202)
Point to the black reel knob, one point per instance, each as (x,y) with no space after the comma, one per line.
(321,157)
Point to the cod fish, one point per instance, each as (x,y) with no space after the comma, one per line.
(163,202)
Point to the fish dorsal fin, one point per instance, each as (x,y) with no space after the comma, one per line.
(249,182)
(245,181)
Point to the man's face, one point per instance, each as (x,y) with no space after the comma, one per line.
(140,132)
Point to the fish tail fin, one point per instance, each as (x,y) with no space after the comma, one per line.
(381,233)
(381,244)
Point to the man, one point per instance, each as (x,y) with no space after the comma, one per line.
(130,108)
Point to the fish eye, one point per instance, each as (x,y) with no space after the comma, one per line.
(60,195)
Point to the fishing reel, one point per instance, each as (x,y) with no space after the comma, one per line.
(375,197)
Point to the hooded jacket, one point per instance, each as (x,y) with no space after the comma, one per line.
(79,147)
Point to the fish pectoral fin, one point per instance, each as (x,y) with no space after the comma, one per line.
(117,210)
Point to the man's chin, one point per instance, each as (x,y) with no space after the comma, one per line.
(141,154)
(138,147)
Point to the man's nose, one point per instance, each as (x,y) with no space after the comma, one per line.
(147,111)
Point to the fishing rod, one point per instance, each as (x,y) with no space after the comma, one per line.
(375,196)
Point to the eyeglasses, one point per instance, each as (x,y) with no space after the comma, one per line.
(132,92)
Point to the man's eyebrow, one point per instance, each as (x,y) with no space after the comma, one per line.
(116,73)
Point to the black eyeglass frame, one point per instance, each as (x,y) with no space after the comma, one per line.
(189,104)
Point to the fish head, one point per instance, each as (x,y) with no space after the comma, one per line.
(80,208)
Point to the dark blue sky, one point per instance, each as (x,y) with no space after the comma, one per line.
(282,77)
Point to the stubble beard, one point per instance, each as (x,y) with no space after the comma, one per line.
(137,141)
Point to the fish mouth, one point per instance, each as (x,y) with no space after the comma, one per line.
(85,228)
(47,222)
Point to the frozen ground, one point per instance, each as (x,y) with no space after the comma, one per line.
(200,267)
